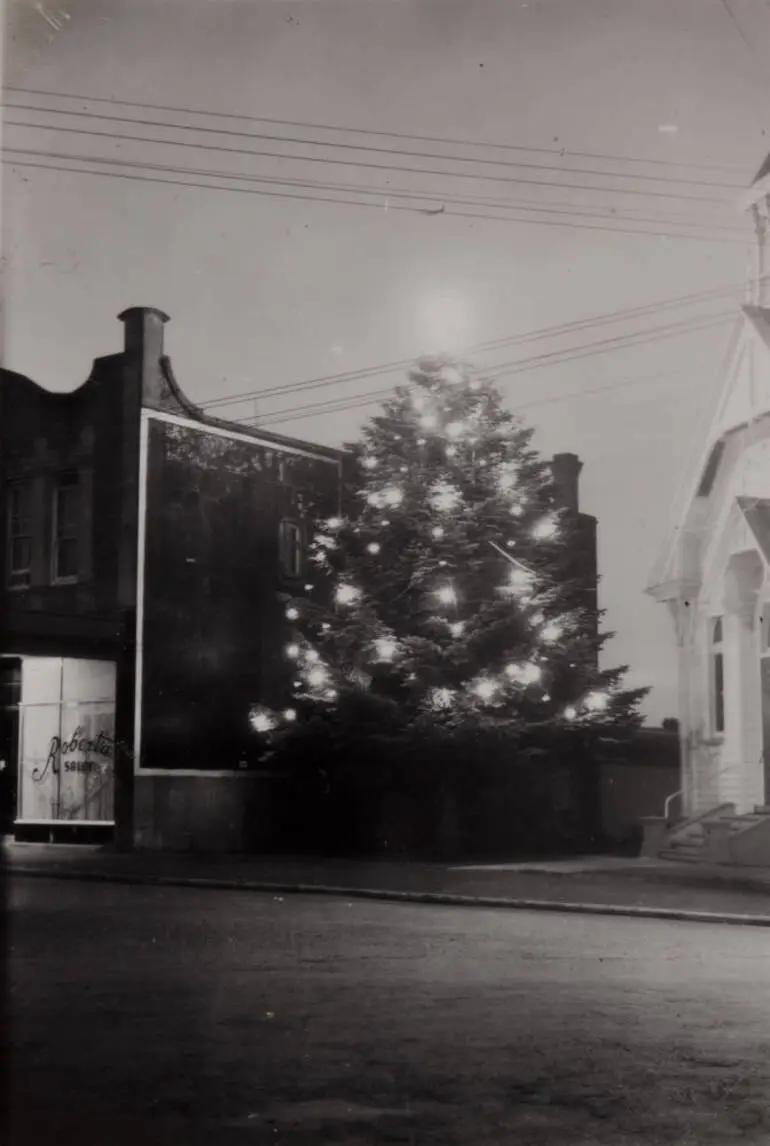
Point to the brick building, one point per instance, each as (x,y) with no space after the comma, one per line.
(146,551)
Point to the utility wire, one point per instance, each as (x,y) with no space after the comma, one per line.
(496,177)
(369,132)
(479,347)
(600,347)
(756,58)
(340,404)
(267,137)
(461,214)
(300,413)
(384,194)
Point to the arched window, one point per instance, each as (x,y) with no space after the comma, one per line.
(717,672)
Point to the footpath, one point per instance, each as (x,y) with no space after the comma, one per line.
(598,885)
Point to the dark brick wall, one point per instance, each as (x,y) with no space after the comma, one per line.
(41,435)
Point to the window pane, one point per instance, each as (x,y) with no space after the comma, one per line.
(20,506)
(67,512)
(21,554)
(291,548)
(66,557)
(717,633)
(41,680)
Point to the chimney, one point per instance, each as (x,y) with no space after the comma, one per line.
(144,331)
(565,469)
(143,345)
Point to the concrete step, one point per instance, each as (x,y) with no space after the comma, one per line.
(685,849)
(740,823)
(678,856)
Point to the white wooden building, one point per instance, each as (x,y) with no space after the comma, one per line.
(714,576)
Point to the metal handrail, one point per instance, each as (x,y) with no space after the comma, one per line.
(669,800)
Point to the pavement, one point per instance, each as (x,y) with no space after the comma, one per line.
(168,1015)
(594,884)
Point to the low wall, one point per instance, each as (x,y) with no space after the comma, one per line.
(631,791)
(232,813)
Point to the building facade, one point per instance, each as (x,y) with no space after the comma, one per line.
(713,575)
(147,550)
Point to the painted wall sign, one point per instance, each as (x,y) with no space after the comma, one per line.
(66,740)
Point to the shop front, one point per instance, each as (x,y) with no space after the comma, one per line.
(65,749)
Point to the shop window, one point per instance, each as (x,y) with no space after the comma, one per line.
(291,548)
(66,745)
(717,663)
(19,535)
(66,528)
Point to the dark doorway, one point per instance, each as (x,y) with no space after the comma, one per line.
(10,692)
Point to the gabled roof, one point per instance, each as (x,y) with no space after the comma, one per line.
(743,399)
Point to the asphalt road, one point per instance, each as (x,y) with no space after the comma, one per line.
(156,1016)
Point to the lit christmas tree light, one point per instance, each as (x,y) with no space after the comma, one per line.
(289,714)
(452,375)
(524,673)
(485,689)
(261,721)
(385,648)
(546,529)
(292,651)
(466,624)
(347,594)
(445,497)
(392,496)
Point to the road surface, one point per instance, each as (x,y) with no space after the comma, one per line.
(156,1016)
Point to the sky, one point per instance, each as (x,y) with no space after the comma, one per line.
(621,115)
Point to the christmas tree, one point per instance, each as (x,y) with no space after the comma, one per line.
(444,605)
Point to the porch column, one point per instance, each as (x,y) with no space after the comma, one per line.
(682,612)
(741,779)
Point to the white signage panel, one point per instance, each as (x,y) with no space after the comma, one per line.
(67,740)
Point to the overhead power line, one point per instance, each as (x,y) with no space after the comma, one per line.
(336,405)
(383,369)
(385,195)
(268,137)
(372,133)
(496,176)
(639,338)
(322,409)
(456,214)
